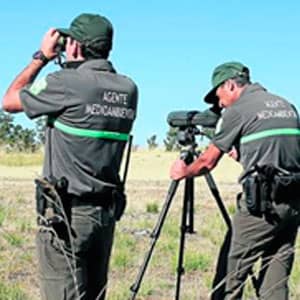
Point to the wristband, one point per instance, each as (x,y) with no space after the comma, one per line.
(40,56)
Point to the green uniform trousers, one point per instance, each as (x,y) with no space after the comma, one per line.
(272,240)
(76,268)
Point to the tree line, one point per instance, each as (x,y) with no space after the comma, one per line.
(16,138)
(170,142)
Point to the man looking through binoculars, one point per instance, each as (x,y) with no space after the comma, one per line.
(265,129)
(90,110)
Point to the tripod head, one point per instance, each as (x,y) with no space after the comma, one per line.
(186,135)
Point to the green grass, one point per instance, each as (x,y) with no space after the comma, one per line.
(195,261)
(14,239)
(3,214)
(11,292)
(231,209)
(123,251)
(152,208)
(25,226)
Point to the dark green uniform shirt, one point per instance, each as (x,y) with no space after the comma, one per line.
(264,126)
(91,97)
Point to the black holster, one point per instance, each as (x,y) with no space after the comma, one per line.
(257,193)
(52,205)
(258,190)
(252,194)
(286,188)
(119,201)
(270,185)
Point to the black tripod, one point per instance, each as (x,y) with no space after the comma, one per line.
(187,219)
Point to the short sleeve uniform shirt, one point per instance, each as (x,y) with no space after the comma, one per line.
(264,127)
(92,97)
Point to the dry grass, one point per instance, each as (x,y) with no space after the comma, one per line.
(148,182)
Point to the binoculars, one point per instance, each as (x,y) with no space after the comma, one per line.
(61,44)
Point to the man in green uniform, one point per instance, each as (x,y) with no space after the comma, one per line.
(265,130)
(90,111)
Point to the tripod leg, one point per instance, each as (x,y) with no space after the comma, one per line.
(154,235)
(190,224)
(187,202)
(221,268)
(214,190)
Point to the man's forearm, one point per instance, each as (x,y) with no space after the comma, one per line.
(205,162)
(198,168)
(11,100)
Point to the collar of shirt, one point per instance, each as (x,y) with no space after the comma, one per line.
(98,65)
(251,88)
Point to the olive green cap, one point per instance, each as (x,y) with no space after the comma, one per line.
(221,74)
(91,30)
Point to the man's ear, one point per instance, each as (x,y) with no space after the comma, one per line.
(227,85)
(231,85)
(77,50)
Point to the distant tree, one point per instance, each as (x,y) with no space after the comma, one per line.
(40,127)
(15,137)
(170,141)
(22,139)
(151,142)
(6,127)
(29,140)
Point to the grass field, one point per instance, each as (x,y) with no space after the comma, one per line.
(148,183)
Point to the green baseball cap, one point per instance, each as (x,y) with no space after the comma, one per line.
(92,30)
(221,74)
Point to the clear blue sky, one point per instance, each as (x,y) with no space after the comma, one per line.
(169,48)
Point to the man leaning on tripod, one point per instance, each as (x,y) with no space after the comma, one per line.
(265,128)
